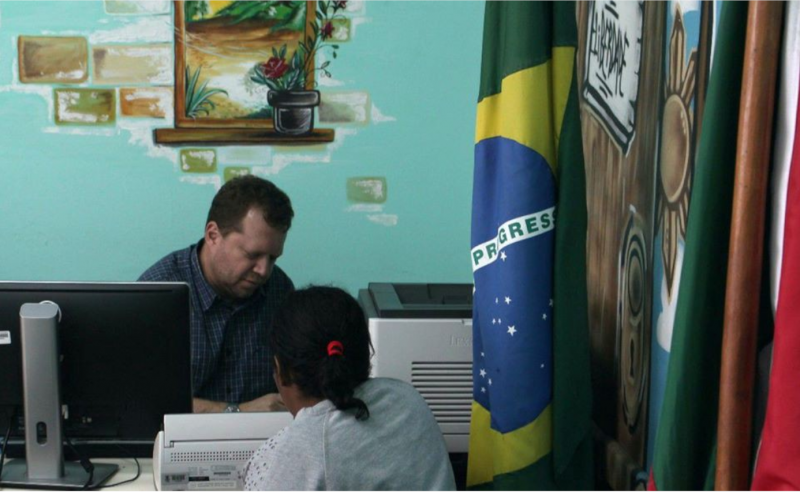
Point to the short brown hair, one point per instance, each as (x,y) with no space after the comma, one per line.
(239,195)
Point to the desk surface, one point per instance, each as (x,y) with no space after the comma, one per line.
(127,470)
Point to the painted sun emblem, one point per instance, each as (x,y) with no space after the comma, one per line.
(677,147)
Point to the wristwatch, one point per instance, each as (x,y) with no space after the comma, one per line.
(232,408)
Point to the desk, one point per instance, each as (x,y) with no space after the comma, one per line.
(127,470)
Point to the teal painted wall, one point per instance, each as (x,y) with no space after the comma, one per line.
(104,204)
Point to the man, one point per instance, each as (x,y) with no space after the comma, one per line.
(235,287)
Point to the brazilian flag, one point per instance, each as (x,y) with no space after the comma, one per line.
(531,415)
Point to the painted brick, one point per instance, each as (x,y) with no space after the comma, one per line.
(234,172)
(133,64)
(151,102)
(341,30)
(198,161)
(344,107)
(367,190)
(52,59)
(137,7)
(85,106)
(355,7)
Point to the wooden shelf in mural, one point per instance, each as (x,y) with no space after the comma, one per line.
(238,136)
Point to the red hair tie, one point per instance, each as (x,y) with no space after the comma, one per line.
(335,348)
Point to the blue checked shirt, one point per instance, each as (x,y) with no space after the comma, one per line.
(231,360)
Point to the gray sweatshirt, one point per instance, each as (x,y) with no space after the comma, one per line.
(400,446)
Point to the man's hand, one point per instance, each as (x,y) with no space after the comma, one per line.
(207,406)
(268,403)
(271,402)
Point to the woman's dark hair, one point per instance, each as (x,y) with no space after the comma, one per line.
(302,329)
(239,195)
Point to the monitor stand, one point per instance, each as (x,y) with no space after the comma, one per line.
(44,466)
(15,475)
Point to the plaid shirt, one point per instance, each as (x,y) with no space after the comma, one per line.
(231,360)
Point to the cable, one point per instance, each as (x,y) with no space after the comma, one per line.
(85,463)
(138,471)
(5,441)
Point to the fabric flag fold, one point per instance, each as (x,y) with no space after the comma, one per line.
(776,465)
(527,159)
(686,436)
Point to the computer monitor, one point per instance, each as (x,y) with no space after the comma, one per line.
(123,358)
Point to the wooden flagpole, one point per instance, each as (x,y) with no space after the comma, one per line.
(762,48)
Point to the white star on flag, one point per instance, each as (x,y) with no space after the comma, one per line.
(503,256)
(551,303)
(542,366)
(500,321)
(494,321)
(512,330)
(508,300)
(481,354)
(490,381)
(496,300)
(544,316)
(483,390)
(483,373)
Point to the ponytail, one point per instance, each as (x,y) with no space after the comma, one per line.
(320,338)
(336,383)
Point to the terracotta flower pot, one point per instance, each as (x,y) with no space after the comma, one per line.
(293,111)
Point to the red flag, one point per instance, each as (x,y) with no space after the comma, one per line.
(779,455)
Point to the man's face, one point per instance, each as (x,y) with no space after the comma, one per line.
(241,262)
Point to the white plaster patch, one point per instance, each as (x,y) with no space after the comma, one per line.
(243,156)
(365,207)
(215,181)
(137,7)
(286,156)
(96,132)
(141,134)
(378,117)
(356,7)
(357,21)
(146,29)
(384,219)
(329,82)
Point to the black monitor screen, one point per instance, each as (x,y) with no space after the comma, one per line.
(124,352)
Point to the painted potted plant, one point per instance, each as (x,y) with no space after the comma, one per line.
(292,101)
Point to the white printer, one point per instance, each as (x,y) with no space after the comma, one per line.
(209,451)
(422,334)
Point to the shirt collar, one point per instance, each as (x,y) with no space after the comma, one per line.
(203,288)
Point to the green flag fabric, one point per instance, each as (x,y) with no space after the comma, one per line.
(686,436)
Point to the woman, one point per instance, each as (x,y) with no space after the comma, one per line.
(350,432)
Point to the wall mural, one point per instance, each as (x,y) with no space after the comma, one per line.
(643,72)
(232,54)
(620,69)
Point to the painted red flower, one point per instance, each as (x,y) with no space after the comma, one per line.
(327,31)
(274,68)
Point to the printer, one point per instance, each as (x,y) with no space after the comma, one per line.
(209,451)
(422,334)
